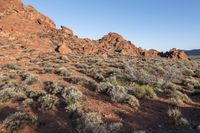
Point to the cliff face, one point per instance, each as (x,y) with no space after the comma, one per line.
(24,25)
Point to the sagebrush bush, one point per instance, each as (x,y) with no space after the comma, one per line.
(144,91)
(90,123)
(176,115)
(73,99)
(48,102)
(35,94)
(28,103)
(19,120)
(82,81)
(116,127)
(62,71)
(53,88)
(11,94)
(93,73)
(118,94)
(29,78)
(104,87)
(9,67)
(132,101)
(180,97)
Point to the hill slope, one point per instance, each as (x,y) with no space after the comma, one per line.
(52,81)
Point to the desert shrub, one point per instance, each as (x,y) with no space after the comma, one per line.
(132,101)
(120,95)
(53,87)
(186,71)
(104,87)
(80,65)
(176,116)
(197,73)
(4,77)
(47,69)
(34,94)
(29,78)
(9,67)
(28,102)
(82,81)
(142,77)
(12,75)
(139,131)
(64,58)
(73,99)
(90,123)
(172,73)
(144,91)
(93,73)
(116,127)
(180,97)
(90,59)
(18,121)
(11,94)
(190,83)
(62,71)
(48,102)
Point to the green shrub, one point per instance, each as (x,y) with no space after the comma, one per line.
(18,121)
(48,102)
(144,91)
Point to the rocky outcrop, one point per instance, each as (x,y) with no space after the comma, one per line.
(25,25)
(175,54)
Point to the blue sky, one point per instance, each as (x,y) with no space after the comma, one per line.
(159,24)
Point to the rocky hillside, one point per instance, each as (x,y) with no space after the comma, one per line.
(52,81)
(26,26)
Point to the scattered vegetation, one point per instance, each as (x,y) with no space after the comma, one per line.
(177,117)
(29,78)
(144,91)
(62,71)
(18,121)
(48,102)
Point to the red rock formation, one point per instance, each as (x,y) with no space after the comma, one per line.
(25,25)
(175,54)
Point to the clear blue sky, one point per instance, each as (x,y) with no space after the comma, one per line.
(160,24)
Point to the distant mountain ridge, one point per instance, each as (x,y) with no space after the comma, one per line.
(193,52)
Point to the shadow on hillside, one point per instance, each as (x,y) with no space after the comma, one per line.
(152,115)
(5,112)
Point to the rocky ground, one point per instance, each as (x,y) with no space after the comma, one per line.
(52,81)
